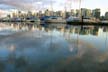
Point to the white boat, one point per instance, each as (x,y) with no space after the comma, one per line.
(55,19)
(32,19)
(73,19)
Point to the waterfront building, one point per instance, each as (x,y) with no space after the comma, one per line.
(77,12)
(20,14)
(83,12)
(47,12)
(67,14)
(40,14)
(64,14)
(58,13)
(96,13)
(106,15)
(86,13)
(14,15)
(29,13)
(72,12)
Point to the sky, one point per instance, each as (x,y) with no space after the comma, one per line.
(57,4)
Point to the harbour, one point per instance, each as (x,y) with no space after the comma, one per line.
(53,36)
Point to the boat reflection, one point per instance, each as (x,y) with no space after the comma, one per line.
(53,48)
(82,30)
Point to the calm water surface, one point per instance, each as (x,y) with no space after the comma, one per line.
(26,47)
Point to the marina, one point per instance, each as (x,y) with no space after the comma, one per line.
(53,36)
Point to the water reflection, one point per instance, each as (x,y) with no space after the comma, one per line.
(26,47)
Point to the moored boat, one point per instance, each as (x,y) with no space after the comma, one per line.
(32,19)
(55,19)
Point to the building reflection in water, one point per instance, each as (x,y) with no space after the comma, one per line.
(53,48)
(82,30)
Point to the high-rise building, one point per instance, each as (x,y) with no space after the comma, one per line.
(40,14)
(86,13)
(96,13)
(59,13)
(83,12)
(89,13)
(67,14)
(106,15)
(78,13)
(14,15)
(29,13)
(64,14)
(47,12)
(19,14)
(72,12)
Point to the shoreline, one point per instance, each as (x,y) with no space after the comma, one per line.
(68,23)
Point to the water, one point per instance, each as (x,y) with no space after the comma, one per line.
(26,47)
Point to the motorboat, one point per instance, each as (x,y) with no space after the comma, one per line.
(55,19)
(73,19)
(32,19)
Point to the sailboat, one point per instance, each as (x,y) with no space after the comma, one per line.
(53,18)
(75,19)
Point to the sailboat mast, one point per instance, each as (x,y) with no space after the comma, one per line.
(79,4)
(65,9)
(51,7)
(80,13)
(70,5)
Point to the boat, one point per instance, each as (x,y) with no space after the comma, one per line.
(55,19)
(32,19)
(44,18)
(16,20)
(73,19)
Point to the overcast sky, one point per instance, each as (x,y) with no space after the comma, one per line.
(57,4)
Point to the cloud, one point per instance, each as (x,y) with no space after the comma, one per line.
(25,4)
(5,7)
(3,13)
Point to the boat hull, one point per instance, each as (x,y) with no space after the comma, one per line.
(55,21)
(86,23)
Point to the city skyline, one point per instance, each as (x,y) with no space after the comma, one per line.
(57,4)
